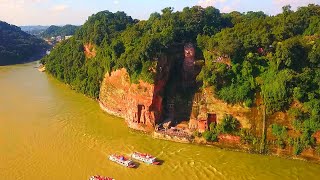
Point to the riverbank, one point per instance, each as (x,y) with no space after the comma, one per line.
(225,143)
(33,58)
(42,68)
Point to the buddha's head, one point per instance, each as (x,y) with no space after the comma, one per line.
(189,51)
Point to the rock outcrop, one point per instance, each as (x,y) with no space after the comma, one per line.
(89,50)
(172,98)
(130,101)
(140,104)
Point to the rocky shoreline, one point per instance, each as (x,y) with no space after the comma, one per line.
(226,145)
(42,68)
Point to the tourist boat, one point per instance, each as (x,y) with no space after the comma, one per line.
(122,160)
(97,177)
(146,158)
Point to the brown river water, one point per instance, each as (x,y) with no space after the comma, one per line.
(48,131)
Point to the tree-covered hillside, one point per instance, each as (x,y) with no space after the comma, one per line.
(17,46)
(245,54)
(54,31)
(253,41)
(120,41)
(276,56)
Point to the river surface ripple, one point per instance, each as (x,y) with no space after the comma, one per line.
(48,131)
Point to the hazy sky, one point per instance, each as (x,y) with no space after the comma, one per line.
(48,12)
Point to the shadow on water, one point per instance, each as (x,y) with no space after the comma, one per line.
(137,165)
(161,162)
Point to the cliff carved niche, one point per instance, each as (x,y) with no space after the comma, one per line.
(179,91)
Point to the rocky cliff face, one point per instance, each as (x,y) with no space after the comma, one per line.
(205,103)
(140,104)
(130,101)
(170,99)
(175,97)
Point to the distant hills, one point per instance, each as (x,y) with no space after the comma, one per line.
(17,46)
(34,30)
(54,31)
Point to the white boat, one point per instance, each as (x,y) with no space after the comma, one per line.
(98,177)
(122,160)
(146,158)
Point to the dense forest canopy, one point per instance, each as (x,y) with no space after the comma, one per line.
(120,41)
(54,31)
(245,54)
(17,46)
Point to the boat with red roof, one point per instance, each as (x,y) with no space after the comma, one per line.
(146,158)
(122,160)
(98,177)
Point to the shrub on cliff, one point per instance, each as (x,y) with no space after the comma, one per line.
(247,136)
(228,125)
(280,132)
(196,134)
(297,147)
(210,136)
(306,140)
(318,150)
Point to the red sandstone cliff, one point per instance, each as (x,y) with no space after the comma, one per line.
(130,101)
(144,105)
(140,104)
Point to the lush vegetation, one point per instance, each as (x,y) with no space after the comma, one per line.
(276,56)
(280,132)
(17,46)
(245,54)
(229,125)
(120,41)
(54,31)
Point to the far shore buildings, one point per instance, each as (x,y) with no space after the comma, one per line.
(58,38)
(67,37)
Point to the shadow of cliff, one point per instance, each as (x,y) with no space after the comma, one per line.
(176,93)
